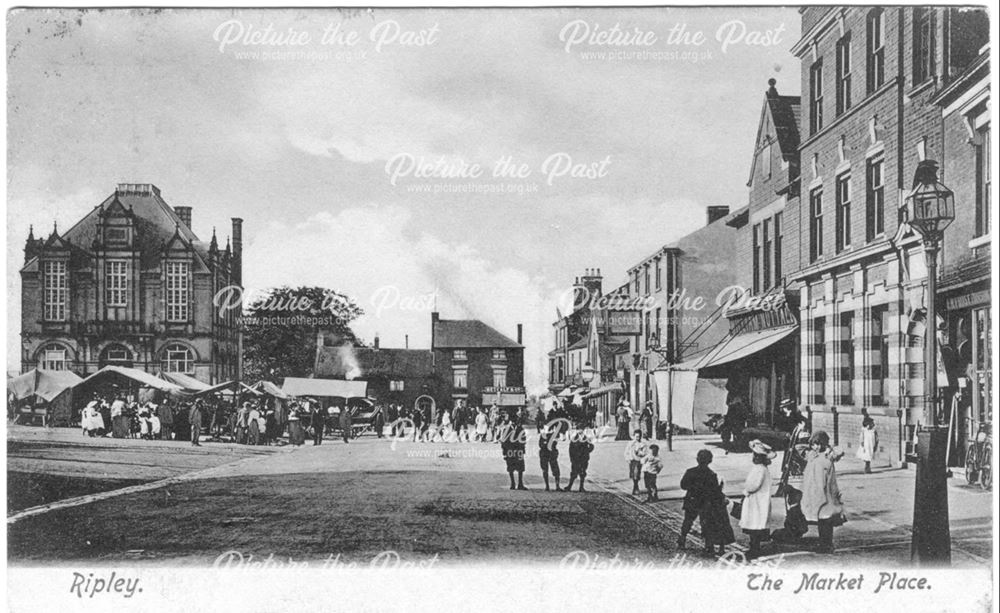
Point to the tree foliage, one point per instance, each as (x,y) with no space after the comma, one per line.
(280,329)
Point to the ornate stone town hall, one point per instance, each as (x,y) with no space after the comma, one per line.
(130,284)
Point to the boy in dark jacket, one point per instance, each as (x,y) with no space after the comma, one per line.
(580,449)
(702,486)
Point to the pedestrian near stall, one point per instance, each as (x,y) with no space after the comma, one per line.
(635,451)
(194,416)
(379,420)
(346,421)
(119,418)
(296,433)
(623,418)
(482,426)
(821,502)
(318,422)
(166,414)
(756,510)
(867,443)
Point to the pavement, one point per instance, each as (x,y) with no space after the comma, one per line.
(448,500)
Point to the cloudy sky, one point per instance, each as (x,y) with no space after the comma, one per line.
(363,147)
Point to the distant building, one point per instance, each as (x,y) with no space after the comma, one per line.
(131,284)
(405,377)
(477,364)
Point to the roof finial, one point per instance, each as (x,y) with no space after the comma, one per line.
(771,91)
(31,232)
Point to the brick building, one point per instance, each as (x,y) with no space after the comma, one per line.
(131,284)
(477,364)
(870,80)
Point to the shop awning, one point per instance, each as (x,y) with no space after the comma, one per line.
(504,399)
(325,388)
(736,347)
(139,376)
(45,384)
(604,389)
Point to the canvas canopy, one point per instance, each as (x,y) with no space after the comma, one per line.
(268,388)
(185,381)
(139,376)
(325,388)
(44,384)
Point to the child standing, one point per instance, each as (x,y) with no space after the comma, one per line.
(651,466)
(635,451)
(580,448)
(867,443)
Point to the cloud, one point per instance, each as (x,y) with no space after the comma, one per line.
(398,274)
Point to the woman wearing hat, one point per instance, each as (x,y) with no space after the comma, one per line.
(821,503)
(623,416)
(757,497)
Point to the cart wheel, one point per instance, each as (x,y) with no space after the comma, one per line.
(971,472)
(986,469)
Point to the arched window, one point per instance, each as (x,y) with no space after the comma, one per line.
(53,357)
(178,358)
(118,355)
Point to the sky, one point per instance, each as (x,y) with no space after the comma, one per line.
(469,160)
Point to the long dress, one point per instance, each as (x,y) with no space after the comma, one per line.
(757,504)
(867,444)
(296,433)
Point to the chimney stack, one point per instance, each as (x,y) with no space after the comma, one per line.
(238,250)
(520,334)
(715,213)
(407,342)
(376,340)
(184,212)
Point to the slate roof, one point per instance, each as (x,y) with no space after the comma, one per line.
(468,334)
(155,223)
(392,363)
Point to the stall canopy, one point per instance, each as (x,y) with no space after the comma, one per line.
(214,389)
(44,384)
(190,384)
(604,389)
(139,376)
(267,388)
(679,388)
(325,388)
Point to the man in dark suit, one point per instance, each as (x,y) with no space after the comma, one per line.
(318,423)
(345,422)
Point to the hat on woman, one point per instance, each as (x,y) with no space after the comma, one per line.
(626,404)
(787,402)
(820,437)
(758,447)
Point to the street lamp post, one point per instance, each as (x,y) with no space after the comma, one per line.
(930,207)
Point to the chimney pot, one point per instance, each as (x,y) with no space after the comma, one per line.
(376,340)
(520,334)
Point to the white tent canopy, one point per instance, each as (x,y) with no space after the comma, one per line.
(139,376)
(325,388)
(187,382)
(45,384)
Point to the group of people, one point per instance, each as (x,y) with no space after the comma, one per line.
(625,418)
(120,416)
(817,503)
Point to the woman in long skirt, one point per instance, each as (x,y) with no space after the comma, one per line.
(296,433)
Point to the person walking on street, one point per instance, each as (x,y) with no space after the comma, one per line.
(651,466)
(757,498)
(512,447)
(821,503)
(379,420)
(194,417)
(482,426)
(867,443)
(580,448)
(700,484)
(646,420)
(635,451)
(318,422)
(623,417)
(345,423)
(119,420)
(296,433)
(166,414)
(548,455)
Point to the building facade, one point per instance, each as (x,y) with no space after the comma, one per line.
(131,284)
(477,364)
(870,77)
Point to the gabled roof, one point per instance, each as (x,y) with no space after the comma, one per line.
(785,114)
(155,225)
(393,363)
(468,334)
